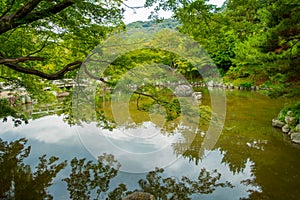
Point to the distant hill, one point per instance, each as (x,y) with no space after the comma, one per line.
(153,24)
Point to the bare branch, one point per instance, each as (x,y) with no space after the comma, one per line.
(34,16)
(132,7)
(57,75)
(8,9)
(151,96)
(19,59)
(93,76)
(25,10)
(26,15)
(42,47)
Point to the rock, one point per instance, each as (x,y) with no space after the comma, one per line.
(63,94)
(285,128)
(295,137)
(197,95)
(297,128)
(22,99)
(277,123)
(289,113)
(183,91)
(140,196)
(28,99)
(290,120)
(210,83)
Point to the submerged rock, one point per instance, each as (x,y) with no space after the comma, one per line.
(183,91)
(197,95)
(295,137)
(140,196)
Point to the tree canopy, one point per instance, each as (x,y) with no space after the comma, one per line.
(51,38)
(253,42)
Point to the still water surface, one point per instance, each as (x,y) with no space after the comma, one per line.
(257,159)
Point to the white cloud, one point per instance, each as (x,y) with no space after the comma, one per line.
(141,14)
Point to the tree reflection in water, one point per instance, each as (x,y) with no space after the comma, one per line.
(17,180)
(88,179)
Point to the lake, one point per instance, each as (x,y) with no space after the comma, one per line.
(255,159)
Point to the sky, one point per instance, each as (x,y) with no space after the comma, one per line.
(142,14)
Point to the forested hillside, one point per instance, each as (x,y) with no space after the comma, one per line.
(252,42)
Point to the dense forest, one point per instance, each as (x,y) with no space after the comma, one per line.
(252,42)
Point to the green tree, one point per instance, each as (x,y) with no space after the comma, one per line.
(271,53)
(51,38)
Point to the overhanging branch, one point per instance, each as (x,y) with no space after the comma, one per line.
(27,15)
(19,59)
(57,75)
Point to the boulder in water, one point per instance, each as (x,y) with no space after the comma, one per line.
(183,91)
(197,95)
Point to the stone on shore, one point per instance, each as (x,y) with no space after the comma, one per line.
(290,120)
(295,137)
(277,123)
(297,128)
(285,128)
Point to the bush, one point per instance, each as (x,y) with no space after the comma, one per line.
(295,112)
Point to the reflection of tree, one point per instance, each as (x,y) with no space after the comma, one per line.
(190,149)
(89,179)
(17,181)
(173,188)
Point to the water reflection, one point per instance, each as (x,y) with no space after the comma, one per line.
(250,154)
(91,179)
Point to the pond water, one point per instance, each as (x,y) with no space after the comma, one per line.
(256,159)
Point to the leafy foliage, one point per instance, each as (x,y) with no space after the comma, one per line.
(8,111)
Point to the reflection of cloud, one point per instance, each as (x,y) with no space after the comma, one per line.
(49,129)
(138,149)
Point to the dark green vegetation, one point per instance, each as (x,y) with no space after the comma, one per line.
(252,42)
(50,39)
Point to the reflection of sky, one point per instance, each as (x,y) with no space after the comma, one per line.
(51,136)
(138,149)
